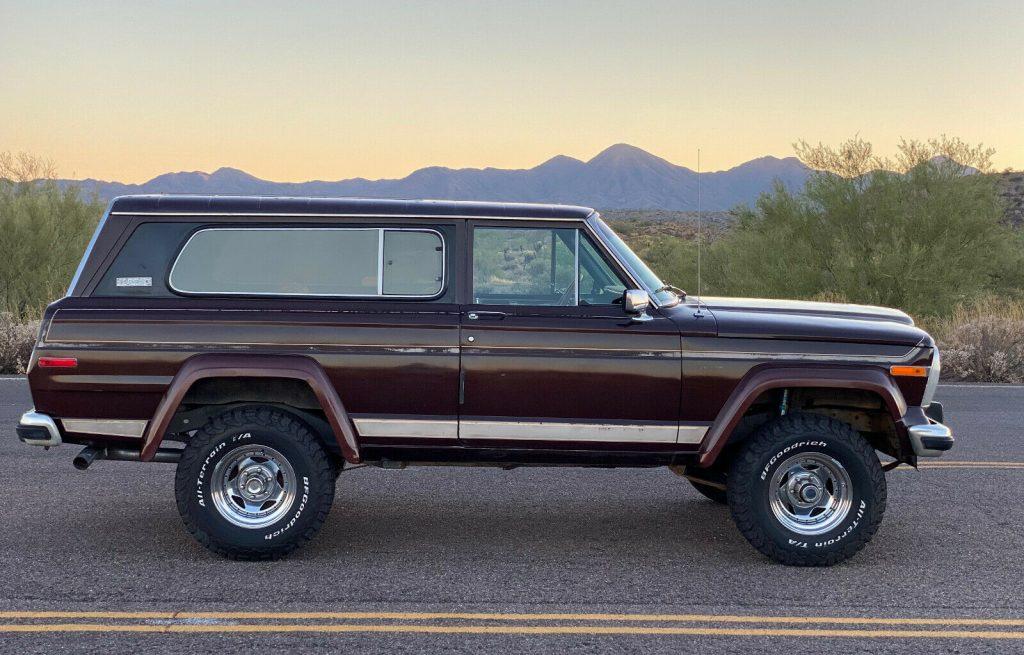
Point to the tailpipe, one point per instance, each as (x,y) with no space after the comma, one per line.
(90,454)
(85,458)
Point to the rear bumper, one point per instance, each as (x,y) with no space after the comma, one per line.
(930,439)
(37,429)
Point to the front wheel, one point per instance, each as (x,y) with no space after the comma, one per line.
(254,484)
(807,490)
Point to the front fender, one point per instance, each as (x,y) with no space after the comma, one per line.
(253,366)
(792,377)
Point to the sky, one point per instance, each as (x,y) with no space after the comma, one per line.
(300,91)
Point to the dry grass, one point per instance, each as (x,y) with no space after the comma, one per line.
(16,341)
(983,342)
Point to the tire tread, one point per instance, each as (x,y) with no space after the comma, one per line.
(322,474)
(748,464)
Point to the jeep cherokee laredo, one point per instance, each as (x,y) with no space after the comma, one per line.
(264,344)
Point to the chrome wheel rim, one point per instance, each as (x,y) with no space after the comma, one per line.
(810,493)
(253,486)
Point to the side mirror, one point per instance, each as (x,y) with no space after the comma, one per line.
(635,302)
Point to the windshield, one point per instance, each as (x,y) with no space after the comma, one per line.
(637,267)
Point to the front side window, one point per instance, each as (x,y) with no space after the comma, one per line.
(540,267)
(352,262)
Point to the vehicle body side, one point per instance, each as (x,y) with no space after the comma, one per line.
(409,380)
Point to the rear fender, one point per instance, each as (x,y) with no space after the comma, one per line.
(253,366)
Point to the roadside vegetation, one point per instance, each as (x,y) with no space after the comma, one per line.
(922,231)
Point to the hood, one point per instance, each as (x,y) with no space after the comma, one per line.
(807,321)
(807,307)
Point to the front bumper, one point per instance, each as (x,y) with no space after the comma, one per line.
(37,429)
(930,439)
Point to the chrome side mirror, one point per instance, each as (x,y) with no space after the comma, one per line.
(636,302)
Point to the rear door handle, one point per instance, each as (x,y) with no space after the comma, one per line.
(486,316)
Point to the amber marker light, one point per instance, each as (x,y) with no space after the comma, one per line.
(58,362)
(909,371)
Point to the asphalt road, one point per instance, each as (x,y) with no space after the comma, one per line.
(410,559)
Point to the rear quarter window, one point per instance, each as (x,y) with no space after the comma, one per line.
(360,262)
(353,262)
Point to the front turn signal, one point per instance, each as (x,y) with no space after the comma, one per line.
(909,371)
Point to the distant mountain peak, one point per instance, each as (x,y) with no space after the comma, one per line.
(621,176)
(624,153)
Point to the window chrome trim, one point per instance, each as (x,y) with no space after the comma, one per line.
(89,248)
(275,294)
(611,252)
(439,217)
(576,264)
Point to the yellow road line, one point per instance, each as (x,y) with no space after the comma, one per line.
(485,616)
(506,629)
(955,462)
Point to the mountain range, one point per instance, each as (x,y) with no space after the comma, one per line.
(619,177)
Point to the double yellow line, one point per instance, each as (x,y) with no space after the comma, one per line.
(953,464)
(511,624)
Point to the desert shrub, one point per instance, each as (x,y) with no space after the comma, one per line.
(16,341)
(921,232)
(982,341)
(43,231)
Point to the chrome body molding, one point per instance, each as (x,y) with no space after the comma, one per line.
(580,431)
(408,428)
(909,356)
(33,419)
(513,430)
(109,427)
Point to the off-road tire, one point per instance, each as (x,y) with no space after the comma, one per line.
(314,482)
(715,494)
(758,459)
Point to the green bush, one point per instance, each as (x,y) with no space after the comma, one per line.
(920,232)
(43,231)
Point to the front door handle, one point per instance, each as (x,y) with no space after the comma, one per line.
(492,316)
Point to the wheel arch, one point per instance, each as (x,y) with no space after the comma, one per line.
(302,370)
(759,384)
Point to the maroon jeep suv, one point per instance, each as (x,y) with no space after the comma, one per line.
(266,344)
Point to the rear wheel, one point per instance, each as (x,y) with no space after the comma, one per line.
(807,490)
(254,483)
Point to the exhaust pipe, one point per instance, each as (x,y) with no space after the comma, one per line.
(89,454)
(86,457)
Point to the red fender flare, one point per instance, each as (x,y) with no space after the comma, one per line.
(765,379)
(293,367)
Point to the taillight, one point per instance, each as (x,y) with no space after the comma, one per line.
(58,362)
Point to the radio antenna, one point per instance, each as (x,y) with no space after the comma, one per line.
(700,239)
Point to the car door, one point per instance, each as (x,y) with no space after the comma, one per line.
(549,359)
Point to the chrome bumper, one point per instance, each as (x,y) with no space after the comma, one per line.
(37,429)
(930,439)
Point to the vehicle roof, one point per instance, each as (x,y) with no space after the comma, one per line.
(277,205)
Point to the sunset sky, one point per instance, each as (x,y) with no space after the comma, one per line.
(299,91)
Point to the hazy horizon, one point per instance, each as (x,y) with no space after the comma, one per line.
(126,92)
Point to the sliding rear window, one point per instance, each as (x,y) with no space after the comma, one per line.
(346,262)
